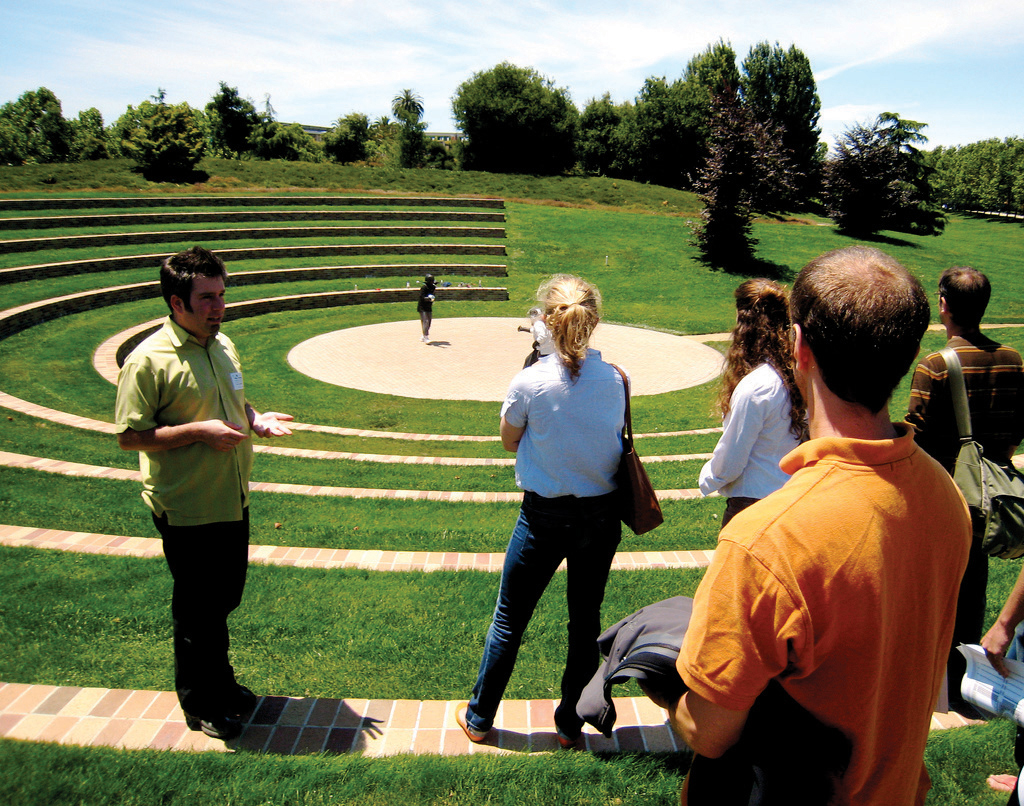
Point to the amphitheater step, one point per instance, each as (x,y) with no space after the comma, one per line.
(60,467)
(178,217)
(290,200)
(304,725)
(240,234)
(17,274)
(309,557)
(14,320)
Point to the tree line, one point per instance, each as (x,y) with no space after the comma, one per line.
(744,136)
(988,175)
(168,140)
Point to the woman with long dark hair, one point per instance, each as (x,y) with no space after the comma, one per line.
(563,418)
(763,411)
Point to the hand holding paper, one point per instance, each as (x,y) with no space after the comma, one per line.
(985,688)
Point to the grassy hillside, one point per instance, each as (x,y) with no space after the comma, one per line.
(237,176)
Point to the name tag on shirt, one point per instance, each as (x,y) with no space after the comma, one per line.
(236,381)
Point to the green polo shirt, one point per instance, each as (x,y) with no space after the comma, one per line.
(171,379)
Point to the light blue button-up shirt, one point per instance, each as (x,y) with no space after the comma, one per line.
(573,438)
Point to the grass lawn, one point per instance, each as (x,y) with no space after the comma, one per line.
(73,619)
(103,777)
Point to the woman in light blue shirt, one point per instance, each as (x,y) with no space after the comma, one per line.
(763,410)
(563,418)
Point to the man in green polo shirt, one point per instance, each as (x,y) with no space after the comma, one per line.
(181,404)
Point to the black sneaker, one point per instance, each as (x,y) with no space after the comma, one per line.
(241,702)
(224,728)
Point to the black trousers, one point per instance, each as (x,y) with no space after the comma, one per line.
(208,564)
(970,615)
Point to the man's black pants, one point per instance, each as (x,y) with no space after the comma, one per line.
(208,564)
(970,616)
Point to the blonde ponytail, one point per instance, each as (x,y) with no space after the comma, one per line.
(573,308)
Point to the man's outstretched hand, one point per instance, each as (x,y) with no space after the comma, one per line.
(271,424)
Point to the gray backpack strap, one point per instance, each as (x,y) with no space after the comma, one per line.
(958,389)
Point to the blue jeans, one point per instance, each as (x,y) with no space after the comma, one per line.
(583,531)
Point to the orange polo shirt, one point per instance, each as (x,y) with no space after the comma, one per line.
(843,585)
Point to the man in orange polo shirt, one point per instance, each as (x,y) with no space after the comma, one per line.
(841,587)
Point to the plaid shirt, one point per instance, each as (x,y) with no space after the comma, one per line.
(994,378)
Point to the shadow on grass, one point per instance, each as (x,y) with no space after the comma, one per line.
(195,176)
(672,763)
(754,267)
(877,238)
(772,271)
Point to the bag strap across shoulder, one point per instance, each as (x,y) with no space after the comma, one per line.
(959,391)
(628,420)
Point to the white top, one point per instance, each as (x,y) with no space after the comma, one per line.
(541,335)
(757,435)
(573,438)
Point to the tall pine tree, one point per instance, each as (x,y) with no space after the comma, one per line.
(778,88)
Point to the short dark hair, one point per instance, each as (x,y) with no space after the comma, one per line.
(178,271)
(967,292)
(862,315)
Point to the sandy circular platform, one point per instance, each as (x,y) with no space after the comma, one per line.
(475,358)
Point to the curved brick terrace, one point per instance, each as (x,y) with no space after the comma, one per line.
(60,467)
(302,725)
(283,233)
(245,217)
(13,403)
(16,274)
(282,200)
(310,557)
(21,317)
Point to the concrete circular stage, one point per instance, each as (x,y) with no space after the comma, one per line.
(475,358)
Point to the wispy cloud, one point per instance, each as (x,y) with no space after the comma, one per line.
(320,60)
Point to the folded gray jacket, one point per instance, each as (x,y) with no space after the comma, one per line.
(785,754)
(645,646)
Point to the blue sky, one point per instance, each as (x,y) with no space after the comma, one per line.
(952,65)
